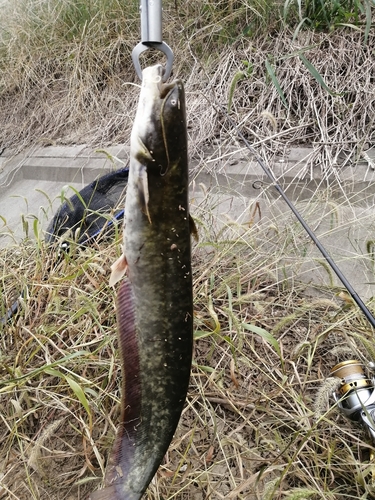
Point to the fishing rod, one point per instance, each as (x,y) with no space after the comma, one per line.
(355,390)
(355,394)
(300,219)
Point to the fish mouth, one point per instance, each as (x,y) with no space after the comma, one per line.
(152,75)
(153,81)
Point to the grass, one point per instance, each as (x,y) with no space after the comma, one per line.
(323,15)
(258,423)
(73,81)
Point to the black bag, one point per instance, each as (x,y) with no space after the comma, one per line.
(89,213)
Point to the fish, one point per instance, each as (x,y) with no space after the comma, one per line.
(155,299)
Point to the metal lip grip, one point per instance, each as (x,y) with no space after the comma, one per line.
(151,36)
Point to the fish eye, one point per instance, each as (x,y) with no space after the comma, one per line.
(173,102)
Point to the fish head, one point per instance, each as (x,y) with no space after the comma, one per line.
(148,110)
(159,130)
(173,122)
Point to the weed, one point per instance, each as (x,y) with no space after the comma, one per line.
(258,421)
(73,81)
(327,14)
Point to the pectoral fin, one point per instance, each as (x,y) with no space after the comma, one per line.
(118,270)
(143,192)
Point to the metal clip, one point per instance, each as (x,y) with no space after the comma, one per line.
(163,47)
(151,36)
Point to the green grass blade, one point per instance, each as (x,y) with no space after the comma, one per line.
(43,369)
(275,81)
(54,373)
(201,334)
(349,25)
(297,30)
(36,229)
(76,388)
(78,391)
(368,19)
(267,336)
(214,316)
(240,75)
(315,73)
(110,157)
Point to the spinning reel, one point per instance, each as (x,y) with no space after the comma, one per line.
(355,397)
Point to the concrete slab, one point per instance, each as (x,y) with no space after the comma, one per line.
(347,232)
(26,201)
(58,151)
(60,170)
(229,191)
(31,183)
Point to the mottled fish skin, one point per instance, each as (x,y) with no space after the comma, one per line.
(155,304)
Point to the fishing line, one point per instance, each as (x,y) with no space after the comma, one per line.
(219,109)
(279,189)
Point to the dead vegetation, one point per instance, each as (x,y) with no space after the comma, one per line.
(259,423)
(74,82)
